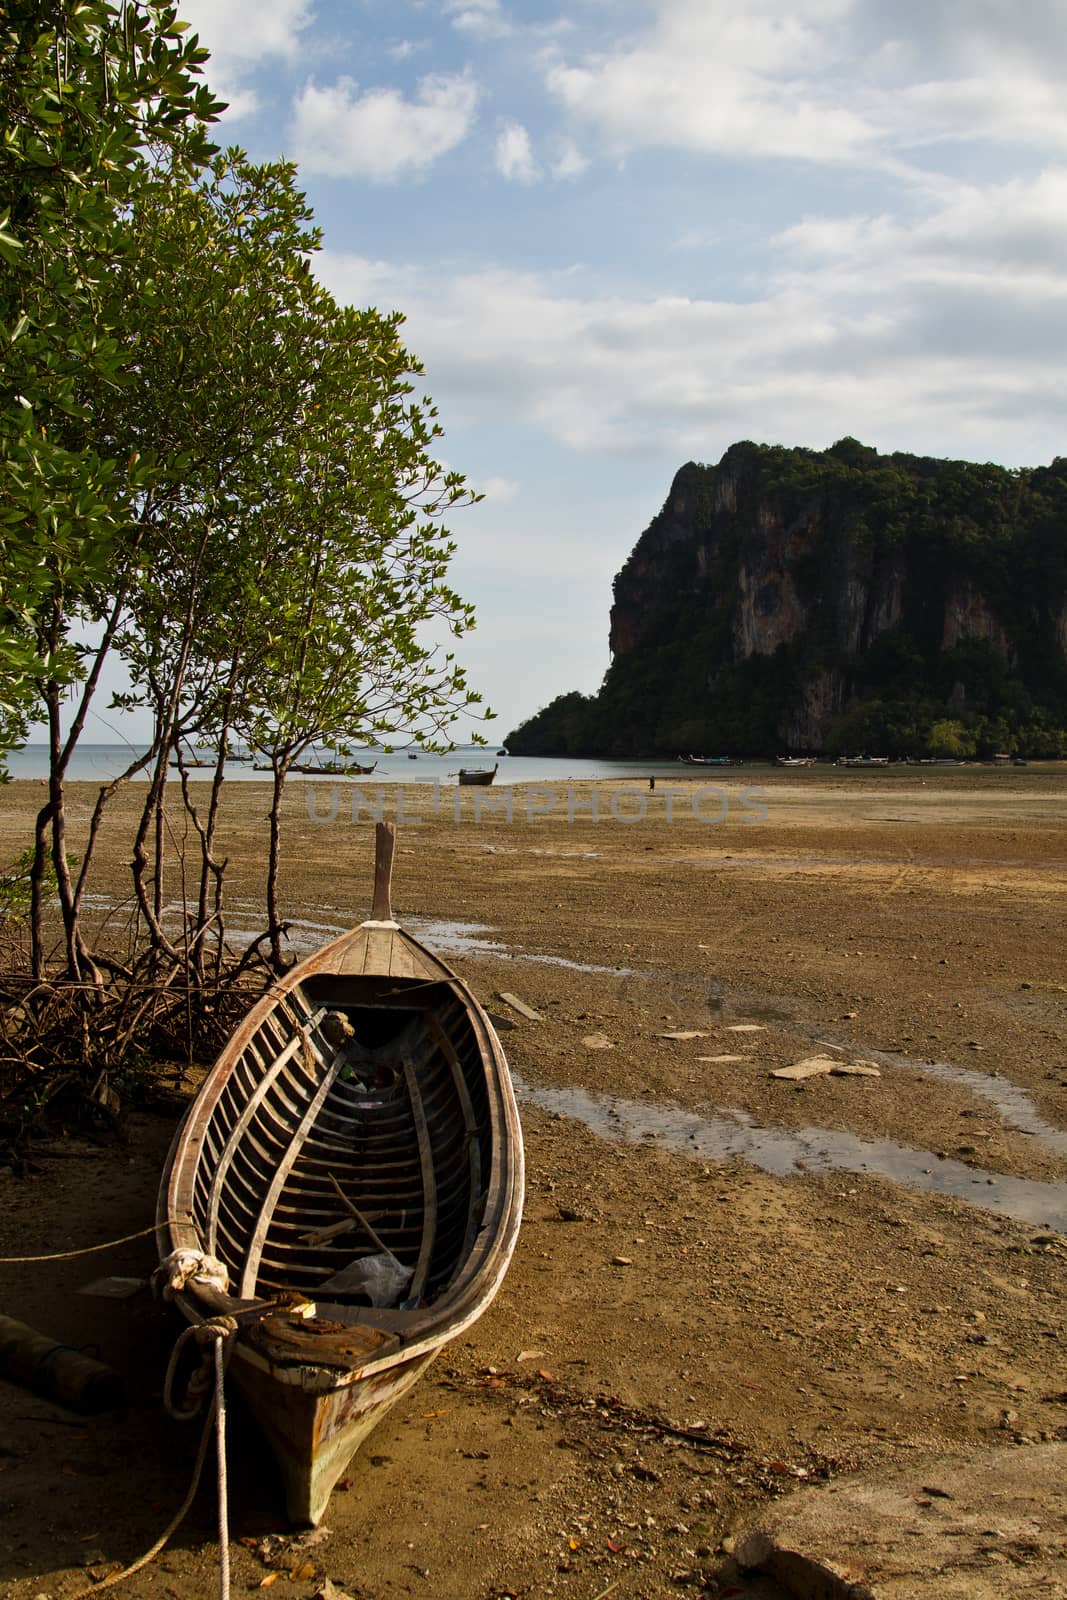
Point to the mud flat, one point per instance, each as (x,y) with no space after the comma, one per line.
(729,1286)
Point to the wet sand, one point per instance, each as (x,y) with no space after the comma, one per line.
(822,1275)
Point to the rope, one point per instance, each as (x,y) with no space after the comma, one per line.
(90,1249)
(219,1332)
(221,1356)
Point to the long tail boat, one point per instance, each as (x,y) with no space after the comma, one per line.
(354,1161)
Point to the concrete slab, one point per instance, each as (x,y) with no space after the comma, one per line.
(961,1528)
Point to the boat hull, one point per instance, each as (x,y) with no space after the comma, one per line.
(361,1121)
(315,1434)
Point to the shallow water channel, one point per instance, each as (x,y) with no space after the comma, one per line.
(727,1134)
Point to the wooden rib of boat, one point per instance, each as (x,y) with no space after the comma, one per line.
(479,775)
(359,1129)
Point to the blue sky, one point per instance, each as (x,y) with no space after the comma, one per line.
(627,233)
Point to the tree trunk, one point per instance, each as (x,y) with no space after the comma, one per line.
(274,923)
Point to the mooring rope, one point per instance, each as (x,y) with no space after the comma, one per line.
(219,1332)
(89,1249)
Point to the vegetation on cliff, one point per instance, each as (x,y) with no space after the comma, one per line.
(839,601)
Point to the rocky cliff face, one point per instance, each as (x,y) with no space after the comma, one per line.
(777,593)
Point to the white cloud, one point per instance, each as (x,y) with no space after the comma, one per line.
(514,156)
(482,18)
(714,78)
(947,330)
(243,35)
(379,134)
(570,162)
(248,30)
(825,81)
(498,491)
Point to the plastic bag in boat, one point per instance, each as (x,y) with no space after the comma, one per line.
(381,1278)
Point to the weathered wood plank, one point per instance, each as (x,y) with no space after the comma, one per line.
(53,1370)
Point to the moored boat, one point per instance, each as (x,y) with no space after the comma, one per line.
(354,1162)
(477,775)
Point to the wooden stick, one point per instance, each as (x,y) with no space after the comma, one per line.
(429,1181)
(520,1006)
(360,1218)
(384,844)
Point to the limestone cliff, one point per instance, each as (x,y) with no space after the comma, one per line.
(792,599)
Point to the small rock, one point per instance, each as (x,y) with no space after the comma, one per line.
(597,1041)
(855,1069)
(622,1261)
(810,1067)
(682,1035)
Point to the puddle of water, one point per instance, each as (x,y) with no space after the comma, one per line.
(469,939)
(1015,1106)
(455,938)
(787,1152)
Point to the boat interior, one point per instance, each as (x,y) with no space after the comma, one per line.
(347,1157)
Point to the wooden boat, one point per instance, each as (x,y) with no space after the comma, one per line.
(332,769)
(354,1159)
(480,775)
(794,761)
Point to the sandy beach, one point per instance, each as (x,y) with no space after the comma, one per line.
(814,1276)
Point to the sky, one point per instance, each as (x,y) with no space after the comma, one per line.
(627,233)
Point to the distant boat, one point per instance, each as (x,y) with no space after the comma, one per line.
(710,761)
(862,761)
(477,775)
(794,761)
(189,758)
(503,751)
(413,755)
(333,769)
